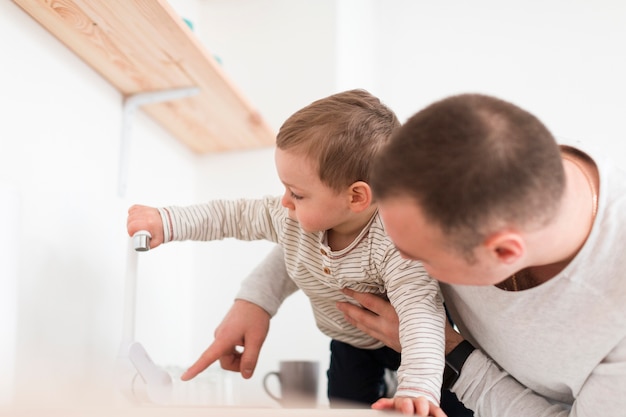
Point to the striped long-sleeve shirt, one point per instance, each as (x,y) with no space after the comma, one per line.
(370,263)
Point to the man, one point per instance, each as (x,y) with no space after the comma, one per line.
(526,238)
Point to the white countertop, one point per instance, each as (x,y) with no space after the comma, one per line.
(164,411)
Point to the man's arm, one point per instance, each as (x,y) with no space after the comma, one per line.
(379,319)
(242,332)
(238,341)
(268,285)
(493,392)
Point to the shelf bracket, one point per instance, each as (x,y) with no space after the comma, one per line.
(131,103)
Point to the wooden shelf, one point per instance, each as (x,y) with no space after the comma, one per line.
(143,45)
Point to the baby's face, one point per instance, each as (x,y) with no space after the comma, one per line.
(313,204)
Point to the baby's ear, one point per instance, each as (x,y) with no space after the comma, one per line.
(360,195)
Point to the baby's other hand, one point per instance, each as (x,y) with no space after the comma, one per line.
(410,406)
(145,218)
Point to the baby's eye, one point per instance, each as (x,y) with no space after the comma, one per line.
(295,196)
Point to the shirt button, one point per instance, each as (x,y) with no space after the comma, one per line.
(326,270)
(323,252)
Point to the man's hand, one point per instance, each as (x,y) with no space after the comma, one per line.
(377,318)
(244,326)
(409,406)
(145,218)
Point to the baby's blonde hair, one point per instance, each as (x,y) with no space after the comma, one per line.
(341,134)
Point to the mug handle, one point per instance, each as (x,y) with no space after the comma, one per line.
(267,390)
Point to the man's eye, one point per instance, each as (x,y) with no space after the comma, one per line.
(295,196)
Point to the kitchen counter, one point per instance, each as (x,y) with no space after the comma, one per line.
(148,411)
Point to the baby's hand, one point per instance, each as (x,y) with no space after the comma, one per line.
(145,218)
(410,405)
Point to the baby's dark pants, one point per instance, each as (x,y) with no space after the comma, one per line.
(356,378)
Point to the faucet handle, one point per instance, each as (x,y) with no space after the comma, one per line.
(141,241)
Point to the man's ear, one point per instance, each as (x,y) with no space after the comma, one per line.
(360,196)
(505,247)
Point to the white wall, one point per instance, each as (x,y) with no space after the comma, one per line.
(9,210)
(59,143)
(560,59)
(281,53)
